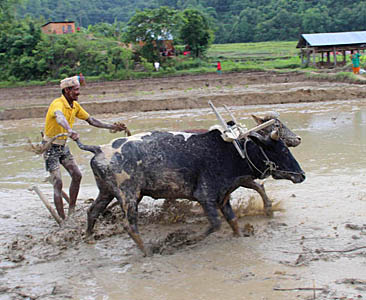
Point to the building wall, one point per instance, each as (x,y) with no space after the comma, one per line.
(59,28)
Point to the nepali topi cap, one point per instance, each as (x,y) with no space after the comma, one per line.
(72,81)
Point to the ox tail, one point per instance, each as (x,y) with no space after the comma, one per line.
(90,148)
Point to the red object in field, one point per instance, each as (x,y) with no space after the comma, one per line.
(218,66)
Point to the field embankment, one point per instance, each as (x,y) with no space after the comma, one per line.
(249,88)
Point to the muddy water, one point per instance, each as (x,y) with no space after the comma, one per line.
(315,241)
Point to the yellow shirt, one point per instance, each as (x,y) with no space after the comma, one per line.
(52,128)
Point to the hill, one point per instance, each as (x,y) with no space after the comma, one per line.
(233,20)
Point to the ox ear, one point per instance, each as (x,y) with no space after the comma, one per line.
(259,139)
(258,120)
(275,135)
(272,115)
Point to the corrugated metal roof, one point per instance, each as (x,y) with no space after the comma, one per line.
(331,39)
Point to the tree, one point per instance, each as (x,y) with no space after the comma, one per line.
(6,9)
(316,20)
(121,58)
(283,26)
(195,32)
(342,21)
(242,31)
(106,29)
(16,50)
(360,12)
(149,28)
(244,27)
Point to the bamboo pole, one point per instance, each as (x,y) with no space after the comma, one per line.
(47,204)
(66,197)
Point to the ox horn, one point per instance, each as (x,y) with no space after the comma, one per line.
(275,135)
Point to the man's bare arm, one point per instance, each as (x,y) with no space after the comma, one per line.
(115,126)
(61,120)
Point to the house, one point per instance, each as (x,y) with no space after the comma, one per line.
(58,27)
(329,45)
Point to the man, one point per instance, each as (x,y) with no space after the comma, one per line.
(356,62)
(156,66)
(60,118)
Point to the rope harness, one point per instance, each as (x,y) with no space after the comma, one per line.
(235,133)
(270,165)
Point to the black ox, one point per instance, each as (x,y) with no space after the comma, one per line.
(284,133)
(199,167)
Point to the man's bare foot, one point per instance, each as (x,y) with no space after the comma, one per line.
(89,239)
(71,211)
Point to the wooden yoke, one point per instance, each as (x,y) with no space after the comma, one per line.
(257,128)
(228,134)
(236,132)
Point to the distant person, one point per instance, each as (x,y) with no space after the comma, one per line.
(218,67)
(156,66)
(60,118)
(356,62)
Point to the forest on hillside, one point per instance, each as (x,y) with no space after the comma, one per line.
(233,21)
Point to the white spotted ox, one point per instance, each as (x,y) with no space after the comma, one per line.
(198,167)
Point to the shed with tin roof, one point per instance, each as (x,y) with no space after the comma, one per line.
(330,45)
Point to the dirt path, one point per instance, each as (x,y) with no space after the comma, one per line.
(183,92)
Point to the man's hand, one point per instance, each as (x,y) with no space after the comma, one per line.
(73,134)
(115,127)
(118,126)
